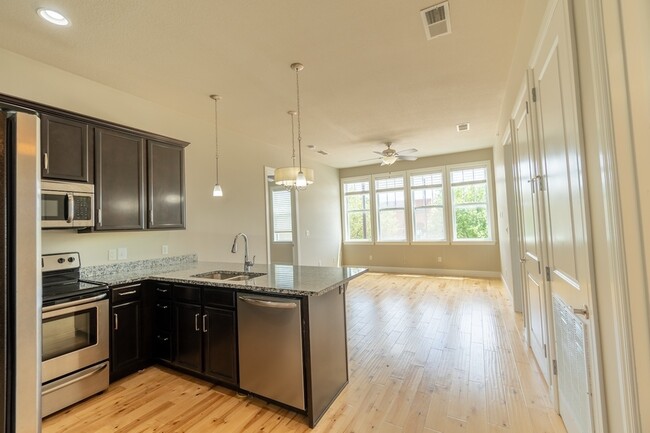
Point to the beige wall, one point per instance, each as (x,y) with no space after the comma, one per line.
(211,223)
(456,259)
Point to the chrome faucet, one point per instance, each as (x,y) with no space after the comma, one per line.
(247,263)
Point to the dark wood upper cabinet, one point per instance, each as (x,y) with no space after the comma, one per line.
(66,149)
(119,180)
(166,185)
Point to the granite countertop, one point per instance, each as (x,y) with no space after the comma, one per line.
(277,279)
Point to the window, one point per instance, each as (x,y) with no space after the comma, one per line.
(282,220)
(356,206)
(391,213)
(427,207)
(470,203)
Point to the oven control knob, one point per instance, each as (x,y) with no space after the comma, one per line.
(61,260)
(71,259)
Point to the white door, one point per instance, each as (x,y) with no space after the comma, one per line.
(531,242)
(281,222)
(562,183)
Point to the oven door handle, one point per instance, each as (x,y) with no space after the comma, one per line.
(76,379)
(73,303)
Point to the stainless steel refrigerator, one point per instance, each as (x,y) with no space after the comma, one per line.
(20,284)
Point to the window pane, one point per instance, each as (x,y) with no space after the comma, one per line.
(282,224)
(429,224)
(475,193)
(469,175)
(357,202)
(359,226)
(390,199)
(426,179)
(356,186)
(389,183)
(471,222)
(427,197)
(392,226)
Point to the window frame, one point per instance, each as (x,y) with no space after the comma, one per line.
(344,211)
(487,164)
(407,228)
(445,204)
(291,216)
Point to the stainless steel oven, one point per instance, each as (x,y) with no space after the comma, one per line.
(75,334)
(67,205)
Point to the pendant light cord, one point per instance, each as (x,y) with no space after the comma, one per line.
(216,135)
(293,141)
(299,134)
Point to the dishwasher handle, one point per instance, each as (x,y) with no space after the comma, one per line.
(269,304)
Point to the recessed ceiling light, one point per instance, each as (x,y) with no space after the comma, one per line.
(53,16)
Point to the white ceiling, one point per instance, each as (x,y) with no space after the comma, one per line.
(370,73)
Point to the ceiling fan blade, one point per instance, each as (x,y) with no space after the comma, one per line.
(407,158)
(370,159)
(378,153)
(401,152)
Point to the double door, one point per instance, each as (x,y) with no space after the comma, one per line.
(554,245)
(205,332)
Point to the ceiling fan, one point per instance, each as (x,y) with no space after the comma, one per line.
(389,155)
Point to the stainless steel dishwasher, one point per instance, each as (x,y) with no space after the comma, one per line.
(270,348)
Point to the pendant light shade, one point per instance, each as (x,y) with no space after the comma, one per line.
(216,191)
(295,177)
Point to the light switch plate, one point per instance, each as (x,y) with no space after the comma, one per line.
(121,253)
(112,254)
(165,249)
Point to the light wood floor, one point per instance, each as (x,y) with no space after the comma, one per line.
(427,354)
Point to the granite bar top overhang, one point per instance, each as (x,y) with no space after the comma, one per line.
(278,279)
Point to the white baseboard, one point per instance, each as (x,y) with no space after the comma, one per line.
(429,271)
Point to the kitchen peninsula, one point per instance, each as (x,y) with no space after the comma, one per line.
(273,331)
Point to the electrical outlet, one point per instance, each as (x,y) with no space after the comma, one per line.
(320,262)
(165,249)
(370,257)
(121,253)
(307,233)
(439,259)
(112,254)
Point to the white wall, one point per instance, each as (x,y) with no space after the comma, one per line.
(211,223)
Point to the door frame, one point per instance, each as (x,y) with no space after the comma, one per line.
(269,172)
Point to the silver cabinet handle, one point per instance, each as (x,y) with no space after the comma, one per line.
(268,304)
(159,290)
(116,327)
(99,217)
(151,217)
(196,321)
(205,326)
(46,162)
(163,306)
(130,292)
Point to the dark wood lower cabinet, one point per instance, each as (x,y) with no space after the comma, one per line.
(188,336)
(220,344)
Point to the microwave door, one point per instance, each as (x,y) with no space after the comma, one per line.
(56,209)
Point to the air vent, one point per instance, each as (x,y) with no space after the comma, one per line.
(462,127)
(311,146)
(436,20)
(322,152)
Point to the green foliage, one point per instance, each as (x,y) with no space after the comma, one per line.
(359,225)
(470,194)
(471,222)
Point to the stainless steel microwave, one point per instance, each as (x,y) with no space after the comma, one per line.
(67,205)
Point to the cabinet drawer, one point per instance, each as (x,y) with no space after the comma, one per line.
(219,297)
(189,294)
(162,311)
(162,346)
(125,293)
(162,291)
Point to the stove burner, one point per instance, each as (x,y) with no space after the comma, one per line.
(61,281)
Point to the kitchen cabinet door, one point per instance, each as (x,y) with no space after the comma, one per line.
(126,342)
(220,344)
(119,180)
(188,336)
(166,185)
(66,152)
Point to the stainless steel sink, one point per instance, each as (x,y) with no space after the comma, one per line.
(228,275)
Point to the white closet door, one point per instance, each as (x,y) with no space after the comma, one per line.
(566,226)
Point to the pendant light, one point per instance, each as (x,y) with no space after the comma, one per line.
(216,191)
(286,176)
(305,176)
